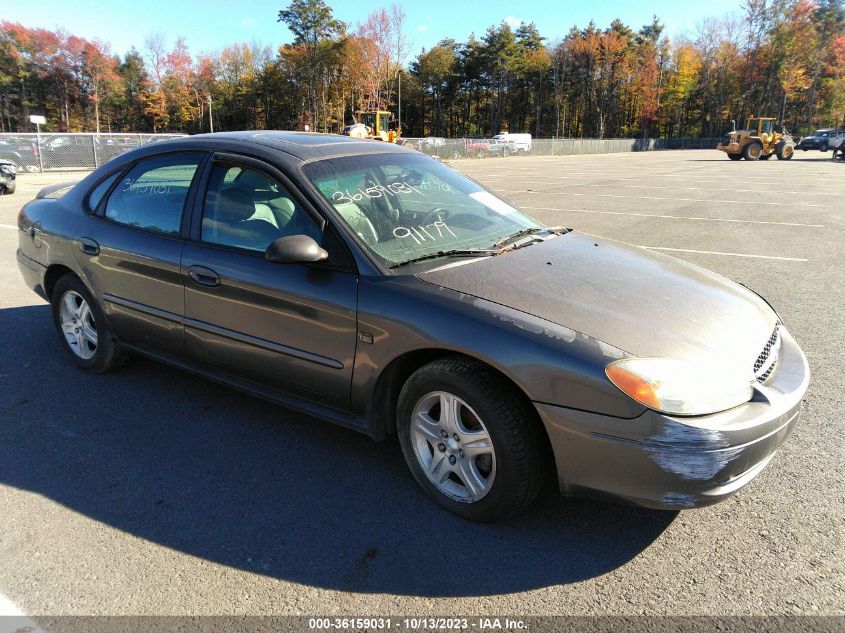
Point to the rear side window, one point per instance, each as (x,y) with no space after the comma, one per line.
(100,190)
(152,195)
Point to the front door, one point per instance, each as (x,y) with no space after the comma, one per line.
(291,327)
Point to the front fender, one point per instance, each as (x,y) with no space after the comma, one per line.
(549,363)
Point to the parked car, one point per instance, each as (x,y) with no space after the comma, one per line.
(476,148)
(8,174)
(68,151)
(432,141)
(378,288)
(822,140)
(22,151)
(517,143)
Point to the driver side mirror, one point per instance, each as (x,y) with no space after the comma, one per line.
(295,249)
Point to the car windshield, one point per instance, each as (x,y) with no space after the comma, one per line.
(408,206)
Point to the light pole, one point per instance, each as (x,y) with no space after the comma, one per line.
(210,116)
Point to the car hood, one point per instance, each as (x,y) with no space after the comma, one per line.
(645,303)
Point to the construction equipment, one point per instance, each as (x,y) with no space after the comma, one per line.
(375,125)
(760,139)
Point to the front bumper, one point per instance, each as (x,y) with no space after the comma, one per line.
(666,462)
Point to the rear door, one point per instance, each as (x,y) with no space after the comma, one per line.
(292,327)
(132,253)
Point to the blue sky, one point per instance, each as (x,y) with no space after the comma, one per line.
(211,24)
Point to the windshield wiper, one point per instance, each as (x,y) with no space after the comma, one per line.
(518,234)
(454,252)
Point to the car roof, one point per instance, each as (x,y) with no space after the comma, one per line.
(302,145)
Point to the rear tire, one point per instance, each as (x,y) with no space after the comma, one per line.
(752,151)
(83,329)
(765,156)
(735,156)
(488,459)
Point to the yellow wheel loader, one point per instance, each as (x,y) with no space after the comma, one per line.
(758,141)
(375,125)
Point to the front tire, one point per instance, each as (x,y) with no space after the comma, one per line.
(470,441)
(785,152)
(735,156)
(82,327)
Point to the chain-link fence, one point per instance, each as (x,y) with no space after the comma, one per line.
(490,148)
(69,152)
(83,152)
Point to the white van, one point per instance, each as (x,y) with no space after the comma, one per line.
(520,143)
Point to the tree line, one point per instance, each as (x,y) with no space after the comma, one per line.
(782,58)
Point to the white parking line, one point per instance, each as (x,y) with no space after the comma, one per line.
(674,217)
(616,195)
(13,620)
(689,250)
(7,607)
(673,187)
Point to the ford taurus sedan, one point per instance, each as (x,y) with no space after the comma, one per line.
(377,288)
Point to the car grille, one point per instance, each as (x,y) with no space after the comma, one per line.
(768,358)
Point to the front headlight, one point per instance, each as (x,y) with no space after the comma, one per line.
(681,387)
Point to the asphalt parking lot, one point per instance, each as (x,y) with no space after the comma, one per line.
(150,491)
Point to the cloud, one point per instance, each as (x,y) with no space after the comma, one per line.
(513,22)
(422,28)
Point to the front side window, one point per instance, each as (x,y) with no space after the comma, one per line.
(406,206)
(247,208)
(152,194)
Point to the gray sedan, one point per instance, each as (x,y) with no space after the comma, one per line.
(377,288)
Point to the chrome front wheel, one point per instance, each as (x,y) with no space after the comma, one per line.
(78,325)
(453,447)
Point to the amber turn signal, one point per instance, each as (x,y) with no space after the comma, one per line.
(633,385)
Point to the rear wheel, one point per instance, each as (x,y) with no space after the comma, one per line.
(471,443)
(83,329)
(752,151)
(765,156)
(735,156)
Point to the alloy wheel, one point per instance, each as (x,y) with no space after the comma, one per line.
(78,325)
(453,447)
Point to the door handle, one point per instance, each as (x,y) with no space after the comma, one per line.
(204,276)
(88,246)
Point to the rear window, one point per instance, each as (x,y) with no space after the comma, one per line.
(152,194)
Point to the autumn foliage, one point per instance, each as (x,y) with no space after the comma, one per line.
(784,58)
